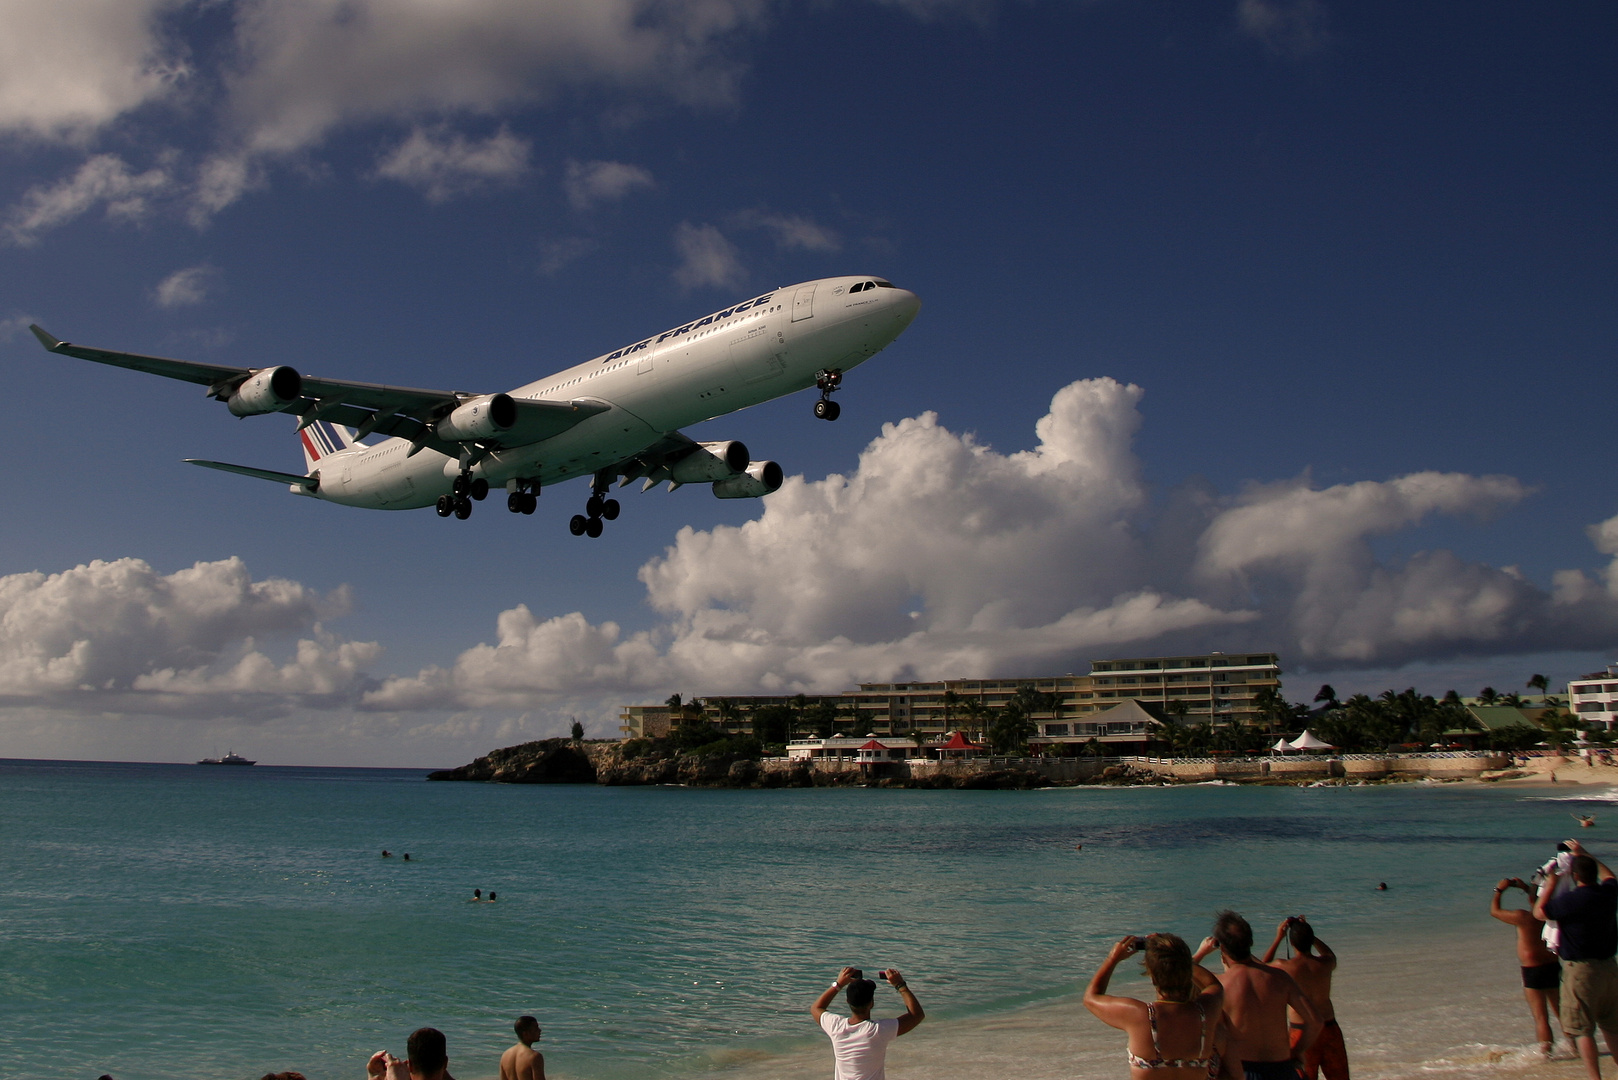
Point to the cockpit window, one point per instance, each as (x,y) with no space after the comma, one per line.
(884,284)
(852,289)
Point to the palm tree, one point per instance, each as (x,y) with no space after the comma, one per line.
(1540,683)
(951,700)
(1488,696)
(728,713)
(1328,695)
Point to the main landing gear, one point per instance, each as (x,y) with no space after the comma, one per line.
(596,510)
(827,380)
(465,490)
(523,500)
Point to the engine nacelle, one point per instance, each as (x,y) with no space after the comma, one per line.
(487,417)
(711,461)
(760,478)
(267,391)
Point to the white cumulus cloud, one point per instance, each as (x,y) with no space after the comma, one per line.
(125,636)
(69,67)
(104,180)
(589,183)
(444,163)
(706,258)
(186,287)
(791,231)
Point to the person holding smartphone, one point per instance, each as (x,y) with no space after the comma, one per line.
(860,1044)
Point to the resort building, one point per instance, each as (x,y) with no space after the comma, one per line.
(1208,687)
(1594,698)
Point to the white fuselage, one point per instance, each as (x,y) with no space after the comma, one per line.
(759,350)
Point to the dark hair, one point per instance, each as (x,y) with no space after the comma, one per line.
(269,1076)
(428,1052)
(1585,869)
(1234,936)
(1301,934)
(861,992)
(1168,962)
(525,1023)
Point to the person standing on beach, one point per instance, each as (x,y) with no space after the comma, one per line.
(1257,997)
(860,1044)
(523,1062)
(1183,1029)
(1587,916)
(428,1060)
(1541,970)
(1312,964)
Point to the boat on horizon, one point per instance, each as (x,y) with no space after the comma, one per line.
(232,758)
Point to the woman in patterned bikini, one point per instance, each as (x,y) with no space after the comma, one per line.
(1177,1037)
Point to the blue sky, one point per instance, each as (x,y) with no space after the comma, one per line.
(1357,261)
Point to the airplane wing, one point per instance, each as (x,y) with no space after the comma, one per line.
(400,411)
(311,482)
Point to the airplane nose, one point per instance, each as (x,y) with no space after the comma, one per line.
(906,304)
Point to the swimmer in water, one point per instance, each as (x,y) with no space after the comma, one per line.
(407,856)
(386,854)
(1382,886)
(477,896)
(491,896)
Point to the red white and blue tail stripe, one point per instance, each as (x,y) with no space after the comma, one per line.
(320,440)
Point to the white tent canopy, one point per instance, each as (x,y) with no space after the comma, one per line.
(1307,741)
(1282,745)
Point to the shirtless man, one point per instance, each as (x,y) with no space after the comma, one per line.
(1312,964)
(1541,970)
(523,1062)
(1257,997)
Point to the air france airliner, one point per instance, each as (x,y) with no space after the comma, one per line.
(614,418)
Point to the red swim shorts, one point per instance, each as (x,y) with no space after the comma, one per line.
(1328,1055)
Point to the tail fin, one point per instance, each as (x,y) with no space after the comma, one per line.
(321,439)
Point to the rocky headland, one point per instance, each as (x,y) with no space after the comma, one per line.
(733,765)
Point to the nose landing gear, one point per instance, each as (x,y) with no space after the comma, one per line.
(828,380)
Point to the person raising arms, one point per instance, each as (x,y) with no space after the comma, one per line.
(1177,1037)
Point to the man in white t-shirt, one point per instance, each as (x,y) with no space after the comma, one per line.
(860,1044)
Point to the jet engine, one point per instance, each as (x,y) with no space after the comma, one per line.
(711,461)
(759,479)
(486,417)
(266,391)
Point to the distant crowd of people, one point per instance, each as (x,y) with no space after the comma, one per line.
(1567,939)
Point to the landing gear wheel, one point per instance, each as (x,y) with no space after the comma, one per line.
(516,501)
(592,526)
(446,505)
(530,502)
(480,489)
(462,485)
(578,524)
(609,509)
(827,410)
(463,508)
(593,506)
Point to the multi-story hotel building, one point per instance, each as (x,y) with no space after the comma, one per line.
(1211,686)
(1594,698)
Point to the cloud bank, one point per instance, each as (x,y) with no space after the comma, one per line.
(937,556)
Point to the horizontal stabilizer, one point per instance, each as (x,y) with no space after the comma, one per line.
(311,483)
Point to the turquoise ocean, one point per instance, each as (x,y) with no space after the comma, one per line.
(179,921)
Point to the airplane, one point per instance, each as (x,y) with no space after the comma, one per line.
(616,417)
